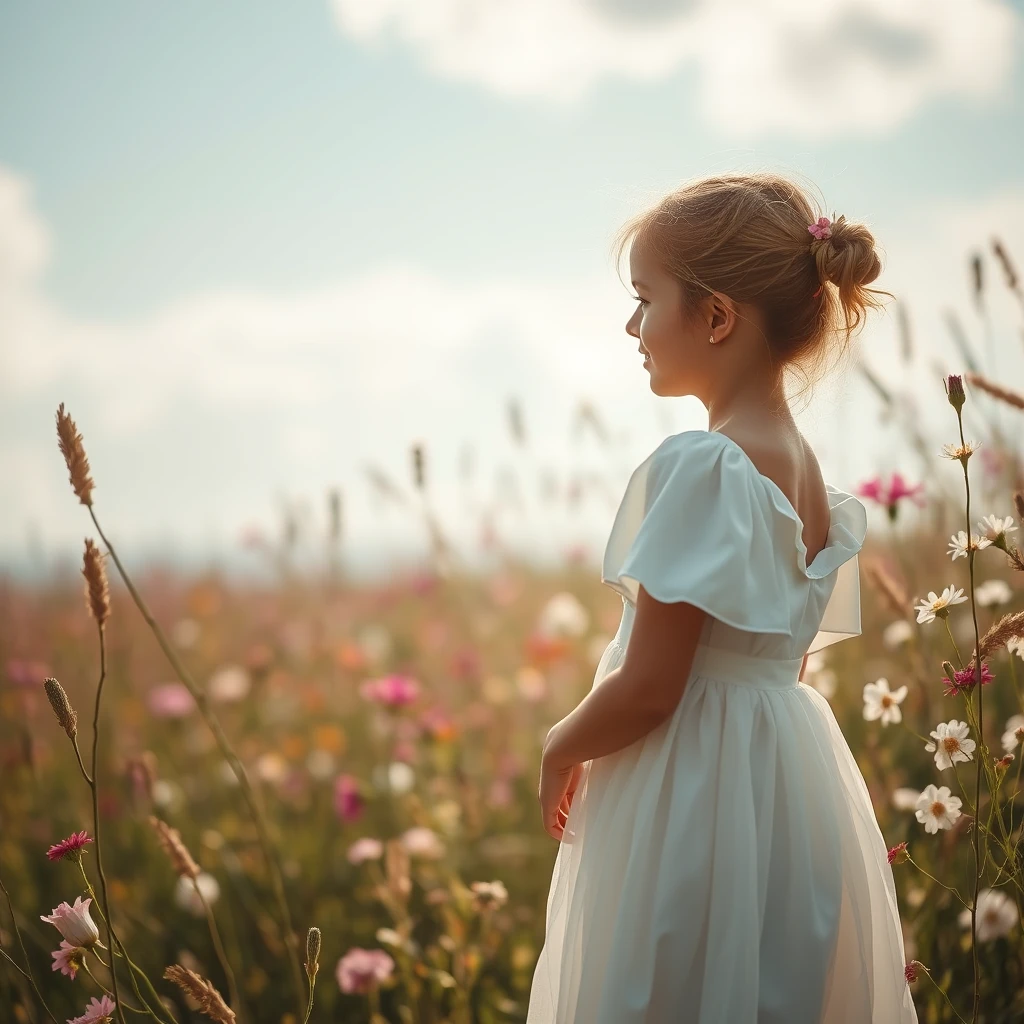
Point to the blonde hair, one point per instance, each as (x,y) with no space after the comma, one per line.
(746,235)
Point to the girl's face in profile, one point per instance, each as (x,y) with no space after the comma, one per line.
(672,355)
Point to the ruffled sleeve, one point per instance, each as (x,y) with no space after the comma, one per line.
(694,525)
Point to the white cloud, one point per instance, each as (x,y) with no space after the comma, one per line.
(810,69)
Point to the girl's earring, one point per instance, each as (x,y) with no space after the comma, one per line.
(712,339)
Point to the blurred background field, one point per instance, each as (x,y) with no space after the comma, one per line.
(326,288)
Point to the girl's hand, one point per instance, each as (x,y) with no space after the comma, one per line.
(556,791)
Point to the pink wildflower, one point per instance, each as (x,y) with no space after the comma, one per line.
(964,680)
(913,970)
(898,854)
(99,1011)
(888,494)
(70,847)
(348,803)
(171,700)
(68,959)
(360,970)
(392,691)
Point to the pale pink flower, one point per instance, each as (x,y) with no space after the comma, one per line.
(67,959)
(99,1011)
(359,970)
(366,848)
(392,691)
(821,228)
(74,922)
(171,700)
(421,841)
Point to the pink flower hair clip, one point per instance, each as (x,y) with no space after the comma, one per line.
(821,228)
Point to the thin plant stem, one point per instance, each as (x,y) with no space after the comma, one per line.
(133,968)
(96,818)
(955,892)
(944,995)
(24,952)
(236,1001)
(202,702)
(130,1009)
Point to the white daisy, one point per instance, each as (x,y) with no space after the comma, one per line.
(937,808)
(1015,645)
(950,743)
(905,799)
(1014,733)
(993,592)
(880,702)
(896,633)
(958,543)
(992,527)
(939,605)
(996,912)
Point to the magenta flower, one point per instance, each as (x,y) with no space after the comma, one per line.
(171,700)
(74,923)
(348,803)
(964,680)
(898,854)
(392,691)
(890,493)
(70,847)
(360,970)
(99,1011)
(68,959)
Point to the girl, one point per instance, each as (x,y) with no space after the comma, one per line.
(720,861)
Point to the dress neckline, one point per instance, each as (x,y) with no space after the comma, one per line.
(834,495)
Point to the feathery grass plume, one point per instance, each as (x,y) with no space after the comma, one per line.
(334,513)
(384,487)
(977,278)
(210,1001)
(313,939)
(883,392)
(177,852)
(1000,633)
(896,597)
(66,715)
(587,416)
(1013,398)
(1012,280)
(419,475)
(73,450)
(515,422)
(97,591)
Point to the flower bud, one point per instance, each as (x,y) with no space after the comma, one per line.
(312,952)
(62,708)
(955,391)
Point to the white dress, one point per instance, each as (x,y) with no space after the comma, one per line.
(727,868)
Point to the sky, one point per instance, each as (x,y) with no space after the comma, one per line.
(256,248)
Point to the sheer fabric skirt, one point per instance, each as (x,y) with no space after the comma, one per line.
(727,868)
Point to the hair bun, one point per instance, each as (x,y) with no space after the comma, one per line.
(847,257)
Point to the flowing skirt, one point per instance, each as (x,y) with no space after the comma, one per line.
(727,868)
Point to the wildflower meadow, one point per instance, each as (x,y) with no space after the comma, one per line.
(306,800)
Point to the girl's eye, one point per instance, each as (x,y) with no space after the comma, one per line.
(636,298)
